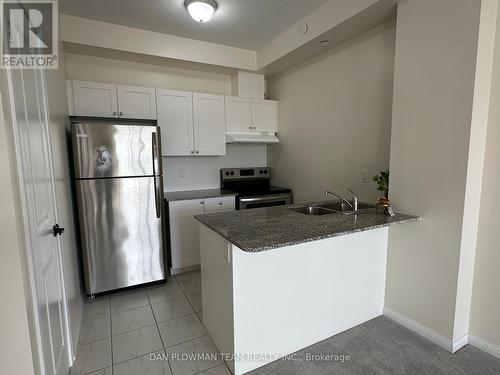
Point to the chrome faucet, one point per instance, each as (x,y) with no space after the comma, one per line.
(353,205)
(354,200)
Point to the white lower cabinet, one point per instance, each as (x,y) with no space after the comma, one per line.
(223,204)
(184,232)
(184,229)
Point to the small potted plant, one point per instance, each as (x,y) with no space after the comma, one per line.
(382,180)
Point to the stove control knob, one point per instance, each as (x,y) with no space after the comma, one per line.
(265,171)
(227,173)
(232,173)
(261,171)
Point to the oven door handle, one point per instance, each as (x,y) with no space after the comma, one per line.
(269,198)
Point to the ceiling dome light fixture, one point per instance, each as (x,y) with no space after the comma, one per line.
(200,10)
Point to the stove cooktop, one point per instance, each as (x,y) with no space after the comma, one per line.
(248,182)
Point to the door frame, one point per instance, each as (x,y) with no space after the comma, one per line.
(27,257)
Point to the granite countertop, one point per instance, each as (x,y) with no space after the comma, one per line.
(197,194)
(268,228)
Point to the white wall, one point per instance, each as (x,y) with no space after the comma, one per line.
(59,126)
(203,172)
(114,70)
(15,342)
(435,67)
(107,35)
(485,314)
(328,16)
(200,172)
(335,118)
(475,164)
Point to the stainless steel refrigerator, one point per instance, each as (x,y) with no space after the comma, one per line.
(119,190)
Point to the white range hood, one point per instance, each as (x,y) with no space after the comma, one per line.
(252,137)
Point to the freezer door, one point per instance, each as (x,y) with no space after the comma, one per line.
(121,230)
(109,150)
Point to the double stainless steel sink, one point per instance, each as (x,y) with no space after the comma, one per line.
(330,208)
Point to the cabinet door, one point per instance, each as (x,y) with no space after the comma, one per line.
(136,102)
(221,204)
(175,117)
(95,99)
(184,232)
(265,115)
(238,114)
(209,124)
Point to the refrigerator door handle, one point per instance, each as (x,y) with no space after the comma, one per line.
(156,151)
(158,187)
(158,193)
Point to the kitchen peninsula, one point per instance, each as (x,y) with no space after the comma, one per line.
(275,280)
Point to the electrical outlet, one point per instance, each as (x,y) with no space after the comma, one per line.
(182,172)
(364,176)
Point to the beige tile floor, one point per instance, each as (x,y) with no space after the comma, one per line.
(121,333)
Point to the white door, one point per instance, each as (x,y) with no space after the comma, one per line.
(29,111)
(209,124)
(238,114)
(184,232)
(136,102)
(175,117)
(95,99)
(265,115)
(222,204)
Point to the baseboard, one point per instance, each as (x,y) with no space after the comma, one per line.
(485,346)
(460,342)
(436,338)
(189,268)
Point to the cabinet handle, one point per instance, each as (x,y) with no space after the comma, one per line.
(114,113)
(250,127)
(121,113)
(201,202)
(197,151)
(220,203)
(254,128)
(192,151)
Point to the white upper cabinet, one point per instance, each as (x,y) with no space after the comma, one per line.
(136,102)
(110,100)
(265,115)
(238,114)
(193,124)
(95,99)
(209,124)
(251,115)
(175,117)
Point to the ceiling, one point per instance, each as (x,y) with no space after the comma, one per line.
(240,23)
